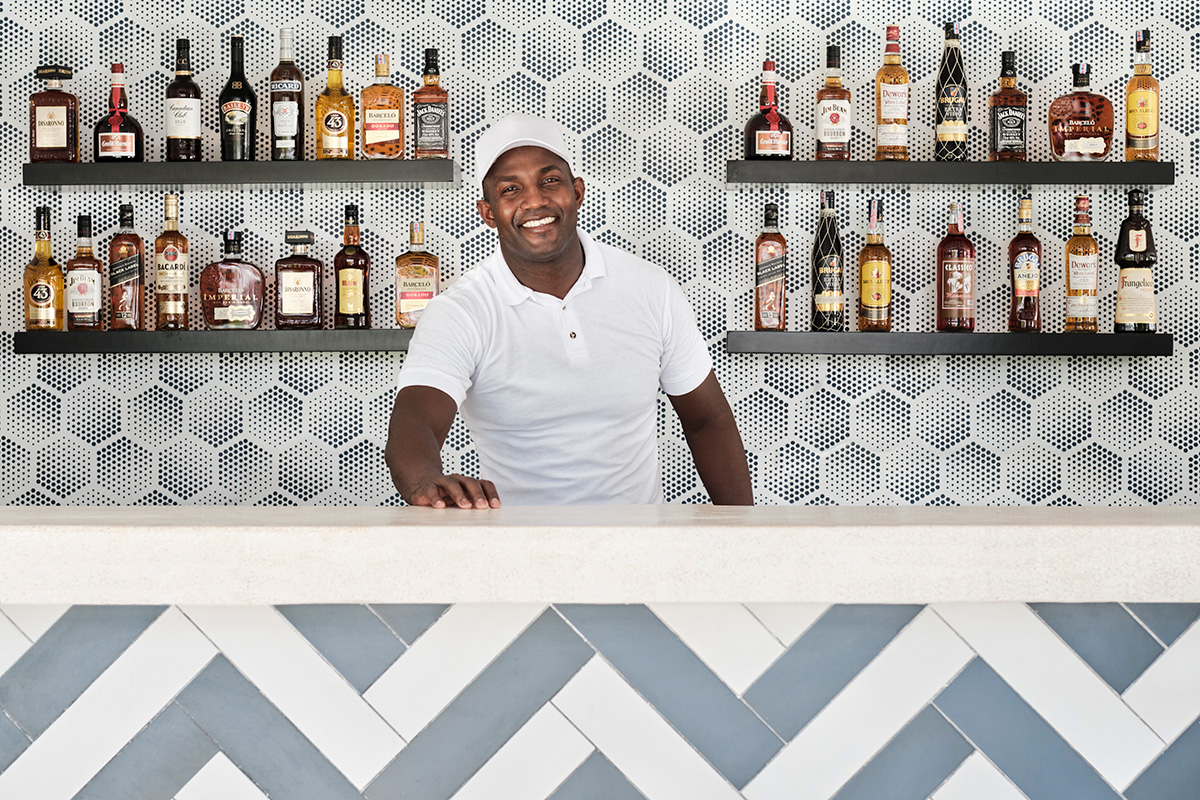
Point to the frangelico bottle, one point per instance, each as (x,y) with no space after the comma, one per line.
(828,298)
(770,274)
(1136,255)
(952,110)
(239,108)
(287,102)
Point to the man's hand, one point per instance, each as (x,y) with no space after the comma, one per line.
(455,490)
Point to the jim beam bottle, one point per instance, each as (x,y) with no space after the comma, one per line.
(126,276)
(287,102)
(952,110)
(171,276)
(1136,255)
(956,277)
(768,134)
(1025,273)
(1082,257)
(770,274)
(85,282)
(834,116)
(875,275)
(828,286)
(43,281)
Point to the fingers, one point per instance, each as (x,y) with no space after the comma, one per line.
(489,491)
(457,491)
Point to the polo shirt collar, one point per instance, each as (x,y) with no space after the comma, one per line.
(512,291)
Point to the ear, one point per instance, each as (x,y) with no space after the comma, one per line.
(485,211)
(579,189)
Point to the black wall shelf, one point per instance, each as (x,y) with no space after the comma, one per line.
(405,173)
(950,344)
(387,340)
(1039,173)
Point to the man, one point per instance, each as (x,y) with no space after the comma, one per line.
(555,348)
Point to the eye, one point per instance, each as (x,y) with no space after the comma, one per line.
(508,189)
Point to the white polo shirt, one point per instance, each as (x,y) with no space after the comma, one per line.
(561,395)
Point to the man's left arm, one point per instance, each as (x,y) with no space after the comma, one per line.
(712,435)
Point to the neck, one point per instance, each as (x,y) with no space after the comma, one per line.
(83,247)
(550,277)
(350,235)
(432,80)
(41,249)
(874,237)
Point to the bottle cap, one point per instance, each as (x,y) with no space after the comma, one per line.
(43,221)
(1083,207)
(83,226)
(952,30)
(833,57)
(233,241)
(1025,210)
(416,233)
(431,61)
(383,66)
(125,215)
(183,60)
(1137,198)
(1142,40)
(335,50)
(52,72)
(771,215)
(298,237)
(1082,73)
(171,206)
(893,33)
(874,212)
(237,46)
(352,215)
(768,65)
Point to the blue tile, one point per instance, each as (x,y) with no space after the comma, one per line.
(452,748)
(677,683)
(1105,636)
(160,760)
(821,662)
(912,764)
(1167,620)
(596,779)
(55,671)
(410,620)
(1018,741)
(1175,775)
(12,742)
(351,638)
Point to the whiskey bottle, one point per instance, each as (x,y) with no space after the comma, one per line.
(298,280)
(43,281)
(1008,113)
(891,103)
(956,277)
(53,119)
(1025,273)
(1081,123)
(335,110)
(770,274)
(953,111)
(1082,256)
(287,102)
(875,276)
(416,278)
(85,282)
(231,290)
(171,271)
(239,108)
(351,269)
(182,109)
(1136,255)
(117,135)
(834,114)
(768,134)
(383,114)
(828,300)
(1141,105)
(126,276)
(431,112)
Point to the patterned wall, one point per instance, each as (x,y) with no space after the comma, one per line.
(652,95)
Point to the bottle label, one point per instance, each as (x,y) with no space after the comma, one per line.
(1137,241)
(770,269)
(171,271)
(297,293)
(891,136)
(381,125)
(286,116)
(41,298)
(834,120)
(1081,306)
(83,293)
(770,275)
(50,127)
(433,126)
(875,288)
(118,145)
(1135,296)
(182,119)
(125,270)
(350,291)
(1027,275)
(335,131)
(1085,145)
(771,143)
(952,113)
(827,283)
(958,281)
(893,101)
(1141,119)
(1008,128)
(1082,272)
(286,86)
(414,293)
(235,312)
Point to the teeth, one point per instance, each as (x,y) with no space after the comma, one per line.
(537,223)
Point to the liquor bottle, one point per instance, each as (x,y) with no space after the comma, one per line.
(126,276)
(891,103)
(335,110)
(956,277)
(768,134)
(770,274)
(875,276)
(953,111)
(239,108)
(416,278)
(1025,272)
(182,109)
(117,135)
(1136,312)
(1008,113)
(351,269)
(85,281)
(43,281)
(53,119)
(1081,123)
(231,290)
(287,102)
(298,285)
(1141,105)
(1082,256)
(171,271)
(828,302)
(431,112)
(383,114)
(835,116)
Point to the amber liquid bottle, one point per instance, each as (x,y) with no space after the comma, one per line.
(770,274)
(298,280)
(335,110)
(1008,115)
(1025,273)
(182,115)
(117,135)
(768,134)
(956,277)
(126,276)
(431,112)
(1141,105)
(53,119)
(351,270)
(44,286)
(1081,123)
(1136,256)
(1082,257)
(85,282)
(835,118)
(287,102)
(383,114)
(891,103)
(416,278)
(171,277)
(875,276)
(231,290)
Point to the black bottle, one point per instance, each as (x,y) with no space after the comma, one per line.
(828,289)
(238,108)
(953,110)
(1136,256)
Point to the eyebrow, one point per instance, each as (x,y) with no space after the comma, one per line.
(542,171)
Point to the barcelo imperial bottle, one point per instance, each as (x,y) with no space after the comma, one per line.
(231,290)
(1081,123)
(768,134)
(770,274)
(956,277)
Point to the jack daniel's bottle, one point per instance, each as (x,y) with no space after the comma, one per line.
(828,303)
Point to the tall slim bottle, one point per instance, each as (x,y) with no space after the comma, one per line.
(171,277)
(239,108)
(287,102)
(952,111)
(85,281)
(431,112)
(835,117)
(182,109)
(335,110)
(891,103)
(956,277)
(1141,105)
(126,276)
(875,275)
(828,284)
(770,274)
(1025,273)
(1082,257)
(351,270)
(44,286)
(1136,256)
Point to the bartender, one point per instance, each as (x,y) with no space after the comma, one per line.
(554,350)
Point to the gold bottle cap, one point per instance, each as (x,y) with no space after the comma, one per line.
(1025,212)
(383,67)
(171,206)
(416,233)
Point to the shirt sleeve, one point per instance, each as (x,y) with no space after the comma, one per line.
(444,351)
(685,359)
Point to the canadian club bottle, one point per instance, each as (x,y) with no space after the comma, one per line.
(1136,312)
(1082,271)
(951,114)
(351,269)
(956,277)
(182,116)
(287,102)
(875,276)
(828,303)
(834,115)
(239,108)
(1025,271)
(768,134)
(770,274)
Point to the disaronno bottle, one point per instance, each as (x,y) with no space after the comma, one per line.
(1136,255)
(298,285)
(231,290)
(1082,273)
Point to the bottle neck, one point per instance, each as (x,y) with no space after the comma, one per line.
(874,236)
(171,224)
(237,62)
(83,246)
(41,247)
(54,84)
(117,99)
(891,58)
(1025,226)
(1141,62)
(299,249)
(334,76)
(1083,226)
(287,49)
(431,79)
(350,235)
(955,225)
(1007,82)
(833,77)
(233,252)
(766,95)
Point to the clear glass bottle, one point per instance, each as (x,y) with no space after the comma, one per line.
(231,290)
(1136,256)
(953,111)
(351,272)
(1141,105)
(835,117)
(1082,257)
(53,119)
(1008,115)
(1025,273)
(287,102)
(44,285)
(126,276)
(431,112)
(875,275)
(770,274)
(956,277)
(335,110)
(171,276)
(828,277)
(1081,123)
(298,279)
(416,278)
(383,114)
(84,276)
(891,103)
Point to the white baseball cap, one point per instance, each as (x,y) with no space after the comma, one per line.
(517,130)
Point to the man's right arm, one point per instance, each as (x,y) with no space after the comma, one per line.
(421,419)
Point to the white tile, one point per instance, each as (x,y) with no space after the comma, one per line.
(977,779)
(1167,695)
(787,620)
(639,742)
(33,620)
(313,695)
(726,636)
(220,779)
(1059,685)
(118,704)
(874,707)
(13,643)
(533,763)
(445,660)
